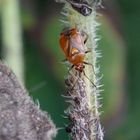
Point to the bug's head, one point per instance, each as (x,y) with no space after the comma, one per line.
(80,67)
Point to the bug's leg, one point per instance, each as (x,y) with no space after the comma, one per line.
(75,82)
(89,50)
(89,79)
(70,69)
(71,74)
(85,36)
(64,60)
(68,47)
(91,66)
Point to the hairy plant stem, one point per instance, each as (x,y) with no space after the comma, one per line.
(81,93)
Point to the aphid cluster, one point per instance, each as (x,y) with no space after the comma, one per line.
(80,119)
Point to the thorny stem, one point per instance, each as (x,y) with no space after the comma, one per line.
(81,94)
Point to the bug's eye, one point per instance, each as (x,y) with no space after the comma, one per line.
(86,11)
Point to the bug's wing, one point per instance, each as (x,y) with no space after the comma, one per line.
(77,45)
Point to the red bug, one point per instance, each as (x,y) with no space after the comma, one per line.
(72,43)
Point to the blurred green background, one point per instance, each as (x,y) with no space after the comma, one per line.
(43,74)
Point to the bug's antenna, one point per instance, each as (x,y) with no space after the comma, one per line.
(89,79)
(90,65)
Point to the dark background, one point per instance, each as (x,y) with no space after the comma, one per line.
(44,74)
